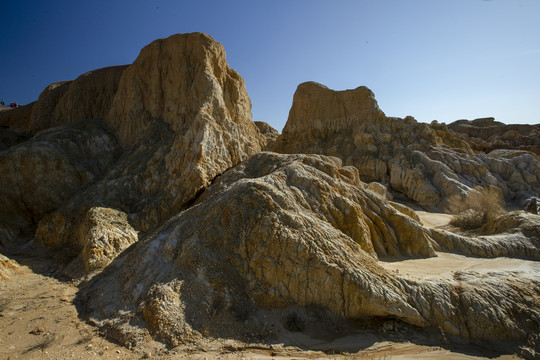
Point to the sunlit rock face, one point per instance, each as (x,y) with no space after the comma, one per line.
(177,118)
(279,234)
(486,134)
(430,165)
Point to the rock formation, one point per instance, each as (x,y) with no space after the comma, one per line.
(87,97)
(282,232)
(150,181)
(431,166)
(486,135)
(7,267)
(268,132)
(39,175)
(180,124)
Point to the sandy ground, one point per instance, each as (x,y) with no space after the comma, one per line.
(445,265)
(433,219)
(39,320)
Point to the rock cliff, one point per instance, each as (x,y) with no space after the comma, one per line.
(182,117)
(430,165)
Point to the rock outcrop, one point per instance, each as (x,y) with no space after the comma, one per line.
(7,268)
(279,233)
(88,97)
(486,135)
(97,236)
(182,117)
(39,175)
(269,133)
(430,165)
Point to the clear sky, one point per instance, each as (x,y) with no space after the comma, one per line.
(432,59)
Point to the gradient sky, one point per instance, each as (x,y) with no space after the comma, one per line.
(433,59)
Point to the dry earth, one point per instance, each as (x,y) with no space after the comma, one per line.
(39,320)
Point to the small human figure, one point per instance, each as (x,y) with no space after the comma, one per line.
(2,103)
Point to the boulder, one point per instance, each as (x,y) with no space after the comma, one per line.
(8,267)
(98,236)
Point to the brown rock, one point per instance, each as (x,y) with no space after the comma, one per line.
(17,119)
(97,235)
(486,135)
(431,165)
(280,233)
(7,267)
(268,132)
(274,231)
(183,117)
(41,174)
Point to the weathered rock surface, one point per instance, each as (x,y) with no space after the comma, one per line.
(98,236)
(269,133)
(41,174)
(17,119)
(430,165)
(282,232)
(182,117)
(8,138)
(88,97)
(7,267)
(486,134)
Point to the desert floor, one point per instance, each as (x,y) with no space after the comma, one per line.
(39,320)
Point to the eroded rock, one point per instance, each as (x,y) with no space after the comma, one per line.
(39,175)
(295,231)
(430,165)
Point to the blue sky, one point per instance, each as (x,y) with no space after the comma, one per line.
(432,59)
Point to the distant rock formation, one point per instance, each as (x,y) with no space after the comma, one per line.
(269,133)
(430,165)
(486,135)
(282,232)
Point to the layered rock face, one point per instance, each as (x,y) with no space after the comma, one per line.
(486,135)
(282,232)
(433,167)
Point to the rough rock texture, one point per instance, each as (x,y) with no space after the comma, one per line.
(98,237)
(280,232)
(486,134)
(432,166)
(17,119)
(88,97)
(8,138)
(7,267)
(42,173)
(268,132)
(182,117)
